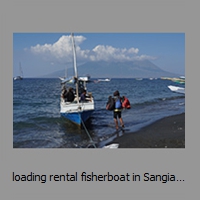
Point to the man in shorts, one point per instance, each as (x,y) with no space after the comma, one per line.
(117,113)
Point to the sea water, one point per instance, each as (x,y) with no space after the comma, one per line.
(36,111)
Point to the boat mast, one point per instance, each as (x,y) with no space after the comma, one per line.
(20,70)
(66,72)
(75,67)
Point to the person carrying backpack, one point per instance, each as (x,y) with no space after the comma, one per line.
(117,112)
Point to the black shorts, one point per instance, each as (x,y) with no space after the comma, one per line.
(117,114)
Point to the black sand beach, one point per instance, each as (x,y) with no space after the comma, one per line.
(168,132)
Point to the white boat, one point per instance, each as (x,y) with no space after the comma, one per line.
(62,78)
(65,78)
(106,80)
(177,89)
(111,146)
(82,78)
(77,111)
(20,77)
(85,78)
(183,77)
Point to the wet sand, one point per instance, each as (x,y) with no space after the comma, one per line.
(168,132)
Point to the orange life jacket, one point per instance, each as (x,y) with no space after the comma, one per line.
(126,103)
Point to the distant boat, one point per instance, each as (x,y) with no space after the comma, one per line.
(65,78)
(138,79)
(105,80)
(77,111)
(82,78)
(177,89)
(20,77)
(71,79)
(85,78)
(62,78)
(177,80)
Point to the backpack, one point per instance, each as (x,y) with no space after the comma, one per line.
(118,103)
(126,103)
(110,104)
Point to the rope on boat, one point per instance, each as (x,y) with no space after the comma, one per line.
(93,144)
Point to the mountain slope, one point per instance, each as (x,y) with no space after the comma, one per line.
(143,69)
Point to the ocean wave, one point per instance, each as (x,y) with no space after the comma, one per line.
(157,100)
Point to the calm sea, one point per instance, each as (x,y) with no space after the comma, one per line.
(36,111)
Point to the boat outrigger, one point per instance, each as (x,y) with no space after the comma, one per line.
(77,111)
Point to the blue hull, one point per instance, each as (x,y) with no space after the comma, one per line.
(77,118)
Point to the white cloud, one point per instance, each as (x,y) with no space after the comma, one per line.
(145,57)
(61,51)
(108,53)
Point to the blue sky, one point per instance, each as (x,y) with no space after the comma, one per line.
(43,53)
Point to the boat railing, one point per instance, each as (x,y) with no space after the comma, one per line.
(88,100)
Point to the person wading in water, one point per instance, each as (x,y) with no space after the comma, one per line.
(117,113)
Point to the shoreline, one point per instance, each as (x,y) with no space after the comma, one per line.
(168,132)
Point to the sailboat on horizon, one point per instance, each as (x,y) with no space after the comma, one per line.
(20,77)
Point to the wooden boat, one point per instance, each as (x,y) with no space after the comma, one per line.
(77,111)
